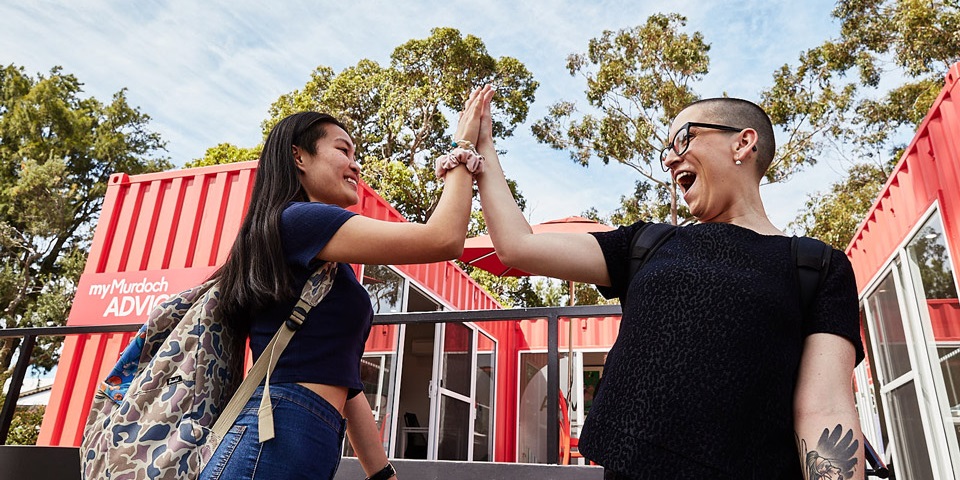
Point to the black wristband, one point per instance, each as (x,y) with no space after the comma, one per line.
(384,473)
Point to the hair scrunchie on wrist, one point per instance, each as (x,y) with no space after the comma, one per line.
(459,156)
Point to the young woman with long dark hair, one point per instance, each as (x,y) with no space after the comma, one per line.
(306,178)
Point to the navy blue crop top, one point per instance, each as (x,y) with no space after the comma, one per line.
(327,349)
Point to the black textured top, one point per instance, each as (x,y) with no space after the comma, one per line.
(700,381)
(328,347)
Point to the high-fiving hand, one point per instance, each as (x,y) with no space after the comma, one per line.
(469,126)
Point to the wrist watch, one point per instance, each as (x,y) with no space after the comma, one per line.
(384,473)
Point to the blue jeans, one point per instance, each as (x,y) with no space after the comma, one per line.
(309,434)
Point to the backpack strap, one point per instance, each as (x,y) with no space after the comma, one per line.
(812,258)
(646,241)
(317,287)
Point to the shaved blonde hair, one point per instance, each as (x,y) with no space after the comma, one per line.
(740,113)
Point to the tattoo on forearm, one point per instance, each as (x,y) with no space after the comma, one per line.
(835,457)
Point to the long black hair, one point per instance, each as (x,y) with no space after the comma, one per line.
(256,273)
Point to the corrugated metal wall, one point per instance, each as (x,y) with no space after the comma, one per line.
(588,332)
(928,171)
(180,225)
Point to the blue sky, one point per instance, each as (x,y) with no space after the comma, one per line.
(206,72)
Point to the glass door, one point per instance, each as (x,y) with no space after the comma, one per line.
(452,413)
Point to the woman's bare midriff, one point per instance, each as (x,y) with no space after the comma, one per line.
(337,396)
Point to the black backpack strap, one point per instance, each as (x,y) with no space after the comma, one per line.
(646,241)
(813,261)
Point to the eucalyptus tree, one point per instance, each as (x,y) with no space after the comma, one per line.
(637,80)
(400,116)
(860,95)
(57,152)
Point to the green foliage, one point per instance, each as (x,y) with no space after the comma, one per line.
(510,292)
(929,252)
(530,292)
(587,294)
(818,103)
(396,113)
(637,80)
(57,152)
(805,105)
(553,293)
(225,153)
(25,427)
(918,37)
(649,202)
(384,287)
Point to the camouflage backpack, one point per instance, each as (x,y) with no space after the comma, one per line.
(164,408)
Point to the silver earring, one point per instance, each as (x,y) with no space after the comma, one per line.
(739,162)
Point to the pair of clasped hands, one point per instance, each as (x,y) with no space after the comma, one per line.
(474,132)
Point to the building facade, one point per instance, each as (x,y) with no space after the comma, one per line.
(906,256)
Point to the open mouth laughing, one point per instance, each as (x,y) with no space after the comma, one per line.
(685,180)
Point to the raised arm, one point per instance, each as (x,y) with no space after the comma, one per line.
(574,257)
(827,426)
(367,240)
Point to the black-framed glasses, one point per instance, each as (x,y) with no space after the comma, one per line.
(681,140)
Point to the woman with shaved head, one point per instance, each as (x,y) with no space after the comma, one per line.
(718,371)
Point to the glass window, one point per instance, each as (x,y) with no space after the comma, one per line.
(421,302)
(591,378)
(457,358)
(376,371)
(385,288)
(913,459)
(454,430)
(872,411)
(375,374)
(885,307)
(486,378)
(532,433)
(379,364)
(532,414)
(928,252)
(949,356)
